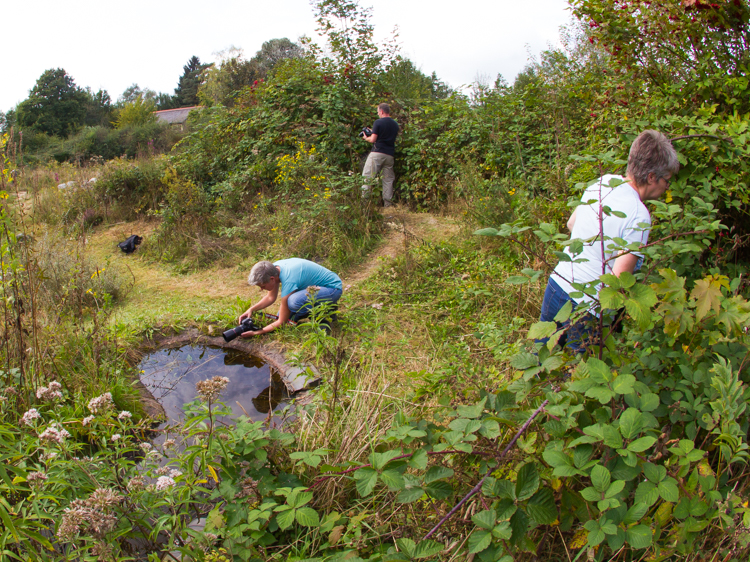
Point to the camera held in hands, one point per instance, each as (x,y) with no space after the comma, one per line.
(365,132)
(248,325)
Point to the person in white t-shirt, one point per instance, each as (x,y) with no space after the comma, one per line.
(651,164)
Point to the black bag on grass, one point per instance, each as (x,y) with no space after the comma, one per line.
(130,244)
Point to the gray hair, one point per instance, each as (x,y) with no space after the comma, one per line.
(262,272)
(651,153)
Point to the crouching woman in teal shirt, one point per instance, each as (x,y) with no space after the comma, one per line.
(303,284)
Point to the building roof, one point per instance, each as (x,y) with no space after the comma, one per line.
(178,115)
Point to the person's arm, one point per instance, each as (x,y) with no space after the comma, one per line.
(265,302)
(372,138)
(626,262)
(283,318)
(572,220)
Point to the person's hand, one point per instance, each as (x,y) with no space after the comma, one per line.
(247,314)
(250,334)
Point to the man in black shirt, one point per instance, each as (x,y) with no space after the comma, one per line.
(380,160)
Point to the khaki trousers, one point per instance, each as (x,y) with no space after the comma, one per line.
(379,163)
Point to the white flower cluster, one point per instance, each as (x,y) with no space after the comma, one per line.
(30,416)
(124,415)
(87,420)
(164,483)
(51,392)
(54,435)
(91,516)
(101,404)
(116,437)
(209,390)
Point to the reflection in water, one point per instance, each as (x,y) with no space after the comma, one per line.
(171,374)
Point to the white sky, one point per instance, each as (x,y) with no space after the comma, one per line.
(111,45)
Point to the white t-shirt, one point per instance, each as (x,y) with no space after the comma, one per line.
(634,227)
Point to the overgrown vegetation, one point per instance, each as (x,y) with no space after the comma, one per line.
(443,430)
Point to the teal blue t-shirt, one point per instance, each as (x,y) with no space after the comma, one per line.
(297,274)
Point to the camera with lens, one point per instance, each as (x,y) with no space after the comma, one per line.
(365,132)
(248,325)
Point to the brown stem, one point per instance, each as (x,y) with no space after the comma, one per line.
(478,487)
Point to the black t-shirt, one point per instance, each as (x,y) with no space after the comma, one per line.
(386,129)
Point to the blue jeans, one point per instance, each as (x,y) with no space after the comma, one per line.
(300,303)
(576,338)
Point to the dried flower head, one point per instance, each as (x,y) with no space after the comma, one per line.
(136,484)
(162,470)
(30,416)
(87,420)
(36,479)
(101,404)
(91,516)
(50,393)
(54,435)
(169,443)
(164,483)
(209,390)
(146,447)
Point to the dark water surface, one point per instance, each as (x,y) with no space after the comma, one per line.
(171,374)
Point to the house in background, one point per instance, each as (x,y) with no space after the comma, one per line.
(175,117)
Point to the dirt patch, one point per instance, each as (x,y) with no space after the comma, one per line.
(404,228)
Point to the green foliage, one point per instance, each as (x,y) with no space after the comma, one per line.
(137,112)
(186,92)
(55,106)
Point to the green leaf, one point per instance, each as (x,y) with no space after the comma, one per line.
(379,460)
(527,481)
(479,540)
(437,473)
(623,384)
(646,494)
(505,509)
(419,459)
(564,313)
(600,393)
(524,360)
(639,305)
(541,330)
(366,479)
(517,280)
(410,495)
(407,545)
(707,294)
(639,536)
(640,445)
(485,519)
(486,232)
(668,490)
(611,298)
(600,478)
(438,490)
(598,370)
(614,489)
(654,472)
(473,411)
(307,517)
(285,519)
(635,513)
(542,508)
(590,494)
(649,402)
(631,422)
(427,549)
(393,480)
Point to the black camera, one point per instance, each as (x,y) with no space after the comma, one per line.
(365,132)
(247,326)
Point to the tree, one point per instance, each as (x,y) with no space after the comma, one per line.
(98,108)
(137,112)
(133,92)
(55,106)
(273,52)
(186,92)
(221,82)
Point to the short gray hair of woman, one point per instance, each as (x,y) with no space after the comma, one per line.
(651,153)
(262,272)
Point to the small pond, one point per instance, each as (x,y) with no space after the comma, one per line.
(254,389)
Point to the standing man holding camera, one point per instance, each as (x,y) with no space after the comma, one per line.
(380,160)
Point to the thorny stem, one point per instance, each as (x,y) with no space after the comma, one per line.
(478,487)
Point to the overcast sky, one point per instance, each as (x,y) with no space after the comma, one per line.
(111,45)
